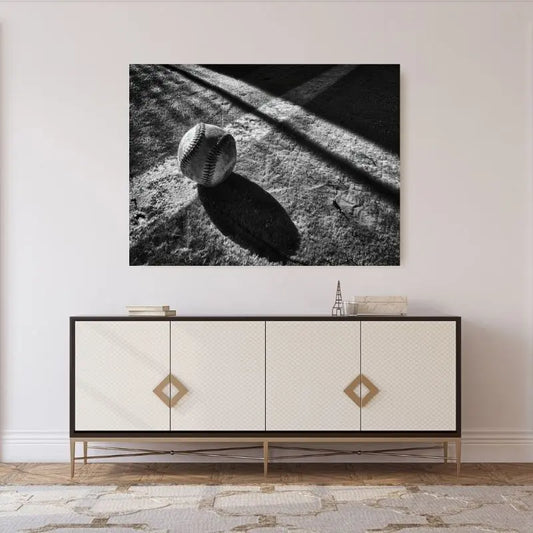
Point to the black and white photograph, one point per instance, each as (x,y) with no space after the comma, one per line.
(264,165)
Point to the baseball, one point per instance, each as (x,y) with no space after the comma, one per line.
(207,154)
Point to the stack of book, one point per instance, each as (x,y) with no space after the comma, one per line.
(150,310)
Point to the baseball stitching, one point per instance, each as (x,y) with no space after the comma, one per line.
(193,146)
(212,158)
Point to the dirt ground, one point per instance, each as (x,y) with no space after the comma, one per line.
(317,174)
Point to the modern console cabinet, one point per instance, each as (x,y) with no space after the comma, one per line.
(265,380)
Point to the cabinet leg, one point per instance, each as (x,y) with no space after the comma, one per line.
(84,452)
(265,458)
(72,454)
(458,455)
(445,451)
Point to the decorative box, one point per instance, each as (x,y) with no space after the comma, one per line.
(381,305)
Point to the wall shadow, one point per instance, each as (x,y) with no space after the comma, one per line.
(250,217)
(273,79)
(366,101)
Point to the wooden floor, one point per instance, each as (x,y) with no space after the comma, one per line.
(228,473)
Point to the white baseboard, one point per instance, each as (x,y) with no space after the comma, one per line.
(488,445)
(34,446)
(497,446)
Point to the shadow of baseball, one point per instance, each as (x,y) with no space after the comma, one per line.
(252,218)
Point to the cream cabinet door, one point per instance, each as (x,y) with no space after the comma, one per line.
(117,366)
(219,371)
(309,366)
(413,366)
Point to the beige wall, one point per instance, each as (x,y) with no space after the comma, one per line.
(466,187)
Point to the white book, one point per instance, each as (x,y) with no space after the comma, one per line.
(152,313)
(148,307)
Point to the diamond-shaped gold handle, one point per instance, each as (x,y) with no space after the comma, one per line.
(171,380)
(361,380)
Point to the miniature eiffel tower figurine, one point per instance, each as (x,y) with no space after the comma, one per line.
(338,309)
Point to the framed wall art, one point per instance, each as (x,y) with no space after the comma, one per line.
(264,165)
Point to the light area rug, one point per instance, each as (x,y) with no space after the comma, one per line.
(266,508)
